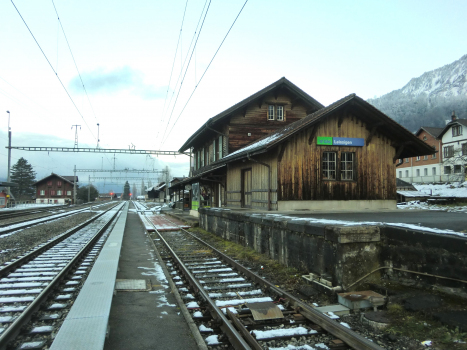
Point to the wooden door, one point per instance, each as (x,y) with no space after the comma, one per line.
(246,188)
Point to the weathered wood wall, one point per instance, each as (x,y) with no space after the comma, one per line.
(300,169)
(254,119)
(260,185)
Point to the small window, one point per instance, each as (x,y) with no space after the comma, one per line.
(329,165)
(400,174)
(42,192)
(424,137)
(400,161)
(406,160)
(464,149)
(433,171)
(457,130)
(457,169)
(347,165)
(418,172)
(219,148)
(448,151)
(280,113)
(59,183)
(447,170)
(434,154)
(425,157)
(52,192)
(68,193)
(418,158)
(271,112)
(406,173)
(425,171)
(49,183)
(59,193)
(202,157)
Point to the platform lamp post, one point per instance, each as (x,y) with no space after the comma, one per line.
(9,157)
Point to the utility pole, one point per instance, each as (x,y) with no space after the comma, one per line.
(74,187)
(114,161)
(9,158)
(76,134)
(97,135)
(167,183)
(89,189)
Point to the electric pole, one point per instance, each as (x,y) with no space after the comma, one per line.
(9,158)
(76,134)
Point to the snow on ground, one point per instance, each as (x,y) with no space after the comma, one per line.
(30,206)
(455,189)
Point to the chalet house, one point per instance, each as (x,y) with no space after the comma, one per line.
(426,169)
(339,157)
(454,141)
(55,189)
(264,112)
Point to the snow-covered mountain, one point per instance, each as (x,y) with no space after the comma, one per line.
(429,99)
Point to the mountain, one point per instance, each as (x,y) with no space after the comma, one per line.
(429,99)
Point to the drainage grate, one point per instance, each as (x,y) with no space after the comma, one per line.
(122,285)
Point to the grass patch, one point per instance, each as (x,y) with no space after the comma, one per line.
(272,269)
(422,327)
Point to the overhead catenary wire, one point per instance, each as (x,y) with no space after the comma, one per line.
(212,59)
(50,64)
(186,70)
(173,65)
(74,61)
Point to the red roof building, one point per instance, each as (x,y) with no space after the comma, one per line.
(55,189)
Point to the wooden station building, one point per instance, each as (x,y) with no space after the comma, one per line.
(339,157)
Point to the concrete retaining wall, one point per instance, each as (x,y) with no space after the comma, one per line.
(344,253)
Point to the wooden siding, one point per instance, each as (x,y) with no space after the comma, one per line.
(259,197)
(300,169)
(254,120)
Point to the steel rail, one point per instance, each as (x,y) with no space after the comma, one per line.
(24,259)
(351,338)
(235,338)
(15,328)
(14,213)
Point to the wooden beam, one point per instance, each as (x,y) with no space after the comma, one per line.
(244,112)
(312,134)
(398,153)
(373,132)
(294,101)
(281,152)
(260,103)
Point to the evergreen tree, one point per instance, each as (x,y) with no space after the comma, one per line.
(82,193)
(24,176)
(126,191)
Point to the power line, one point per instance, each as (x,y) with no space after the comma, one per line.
(79,74)
(206,70)
(186,70)
(181,70)
(56,74)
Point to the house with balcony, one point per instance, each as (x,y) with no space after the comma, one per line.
(55,189)
(454,143)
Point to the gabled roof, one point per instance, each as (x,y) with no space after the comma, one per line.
(68,179)
(452,123)
(431,130)
(365,111)
(282,82)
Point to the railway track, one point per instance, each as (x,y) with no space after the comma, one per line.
(37,290)
(8,214)
(236,308)
(22,224)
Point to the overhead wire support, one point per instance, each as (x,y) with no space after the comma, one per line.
(99,150)
(186,70)
(212,59)
(50,64)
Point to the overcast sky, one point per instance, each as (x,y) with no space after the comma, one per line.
(125,54)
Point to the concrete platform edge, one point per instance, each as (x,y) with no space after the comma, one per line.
(186,314)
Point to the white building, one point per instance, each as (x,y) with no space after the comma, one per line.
(454,143)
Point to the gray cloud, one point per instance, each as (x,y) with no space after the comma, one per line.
(119,79)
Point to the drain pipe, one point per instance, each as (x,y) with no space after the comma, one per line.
(269,178)
(403,270)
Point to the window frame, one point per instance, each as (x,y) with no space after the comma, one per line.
(42,193)
(326,169)
(457,169)
(342,162)
(271,112)
(68,193)
(448,151)
(456,130)
(464,149)
(433,171)
(449,172)
(280,116)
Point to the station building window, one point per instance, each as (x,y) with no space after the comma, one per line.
(42,192)
(346,171)
(59,193)
(276,112)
